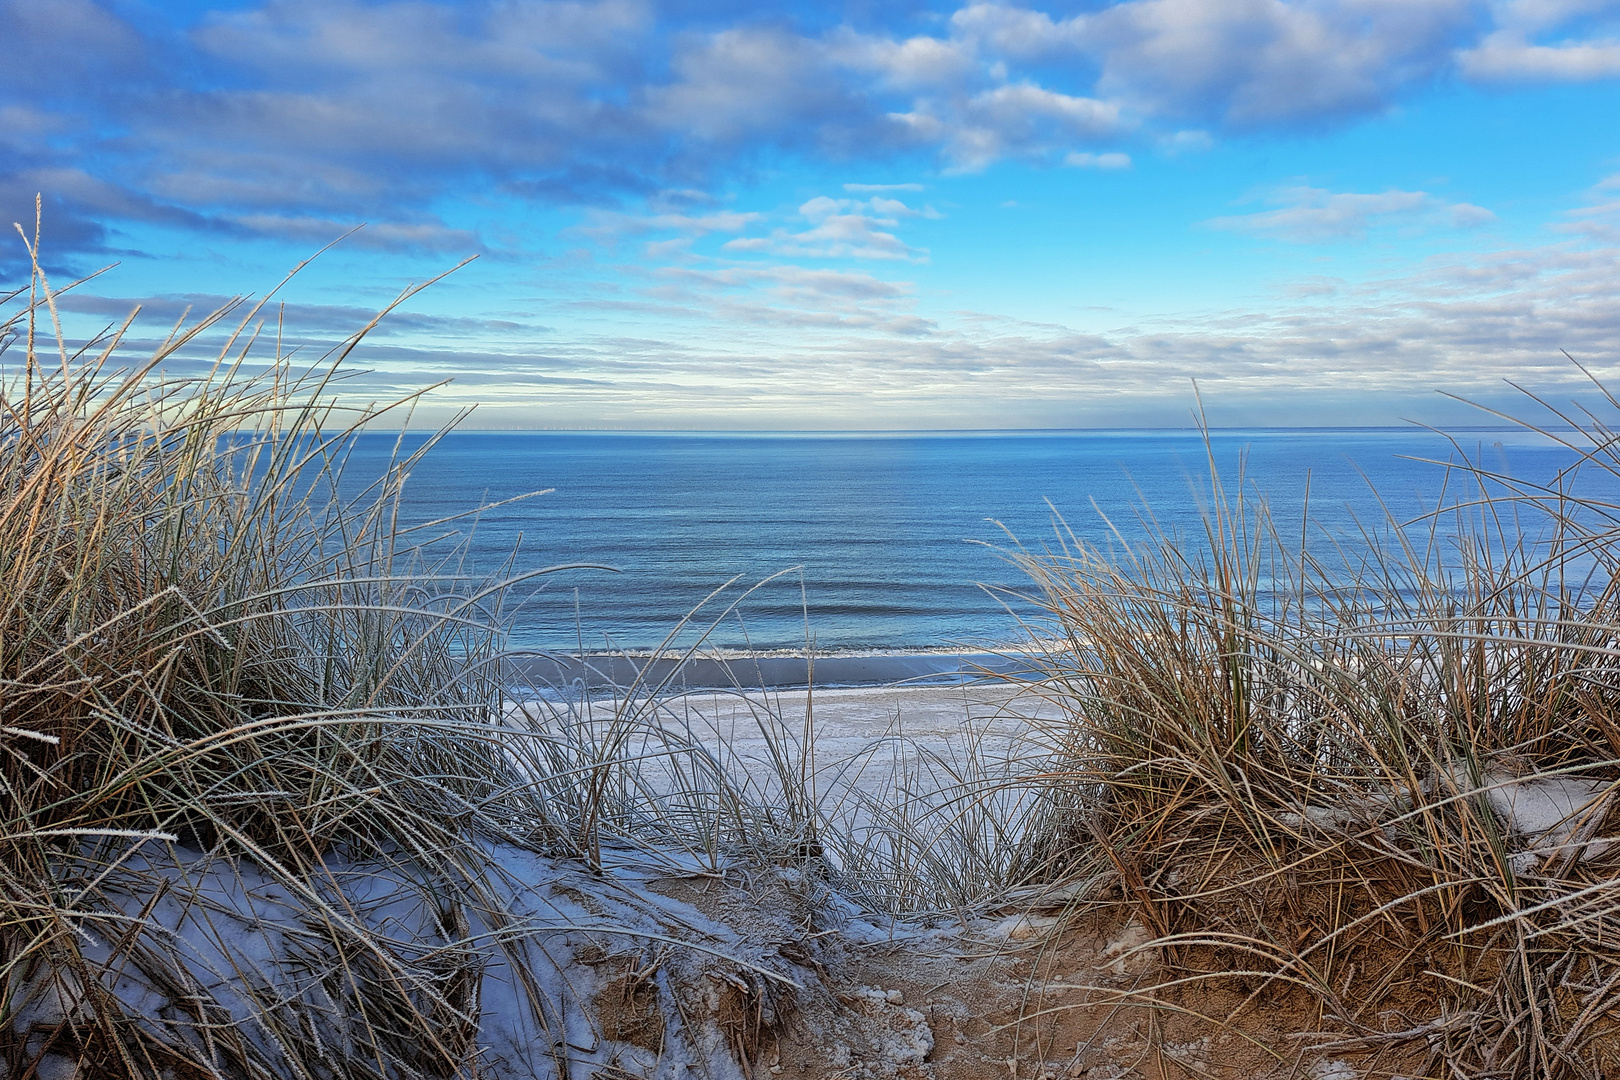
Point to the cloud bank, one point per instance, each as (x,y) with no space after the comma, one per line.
(293,119)
(750,346)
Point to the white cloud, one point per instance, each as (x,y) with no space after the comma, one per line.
(865,93)
(1191,141)
(916,64)
(610,225)
(1600,219)
(1017,33)
(1258,63)
(1506,55)
(741,82)
(1019,119)
(897,209)
(841,228)
(1085,160)
(1527,46)
(1312,215)
(560,41)
(744,297)
(386,235)
(66,45)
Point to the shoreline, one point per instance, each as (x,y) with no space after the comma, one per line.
(665,673)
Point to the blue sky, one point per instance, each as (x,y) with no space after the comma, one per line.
(870,215)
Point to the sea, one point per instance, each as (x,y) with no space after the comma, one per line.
(877,543)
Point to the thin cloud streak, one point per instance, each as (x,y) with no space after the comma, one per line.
(1311,215)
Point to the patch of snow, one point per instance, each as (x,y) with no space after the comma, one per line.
(242,938)
(1126,951)
(1552,815)
(901,1037)
(1023,927)
(1333,1070)
(1060,895)
(1543,807)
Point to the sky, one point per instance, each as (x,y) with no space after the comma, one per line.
(868,215)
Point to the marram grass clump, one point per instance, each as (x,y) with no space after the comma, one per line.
(1369,786)
(206,652)
(268,805)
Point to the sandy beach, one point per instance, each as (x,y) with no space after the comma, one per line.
(553,673)
(864,737)
(851,722)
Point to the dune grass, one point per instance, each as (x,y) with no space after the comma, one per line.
(1309,778)
(204,650)
(213,647)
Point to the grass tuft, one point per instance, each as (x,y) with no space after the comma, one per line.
(1370,785)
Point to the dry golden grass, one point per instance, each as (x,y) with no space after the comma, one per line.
(215,653)
(1294,776)
(204,652)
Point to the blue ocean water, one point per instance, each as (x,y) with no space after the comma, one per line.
(882,541)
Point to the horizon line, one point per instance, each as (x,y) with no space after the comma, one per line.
(1187,429)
